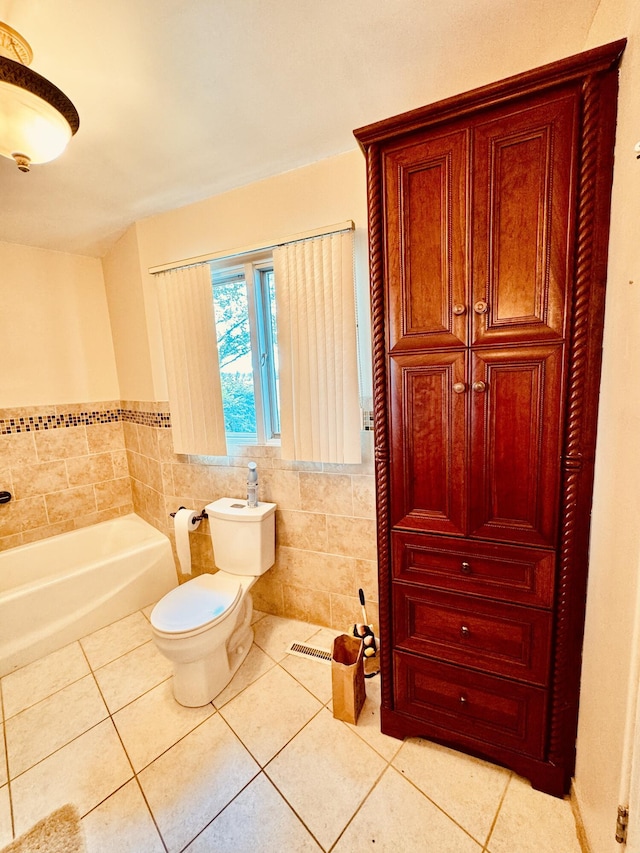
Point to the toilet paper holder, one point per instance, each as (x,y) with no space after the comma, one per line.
(195,518)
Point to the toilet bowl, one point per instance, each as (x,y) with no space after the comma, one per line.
(204,625)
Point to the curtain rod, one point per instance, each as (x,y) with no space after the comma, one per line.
(258,247)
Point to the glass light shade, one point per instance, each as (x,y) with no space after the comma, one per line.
(36,119)
(31,126)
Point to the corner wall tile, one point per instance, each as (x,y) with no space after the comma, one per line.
(32,480)
(83,470)
(70,503)
(61,443)
(304,530)
(352,537)
(329,493)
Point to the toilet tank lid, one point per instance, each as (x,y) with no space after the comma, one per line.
(236,509)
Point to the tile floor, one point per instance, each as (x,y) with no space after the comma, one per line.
(264,768)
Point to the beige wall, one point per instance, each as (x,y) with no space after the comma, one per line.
(54,329)
(325,519)
(266,212)
(615,535)
(128,322)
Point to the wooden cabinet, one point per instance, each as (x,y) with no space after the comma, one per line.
(488,224)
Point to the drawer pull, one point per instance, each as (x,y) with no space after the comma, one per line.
(465,568)
(463,700)
(464,631)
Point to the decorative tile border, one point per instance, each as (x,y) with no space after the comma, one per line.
(159,420)
(63,420)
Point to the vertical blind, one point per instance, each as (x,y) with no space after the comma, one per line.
(317,345)
(185,300)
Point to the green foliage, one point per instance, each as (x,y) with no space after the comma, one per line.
(232,321)
(239,404)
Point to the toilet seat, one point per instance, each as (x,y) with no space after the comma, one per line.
(197,605)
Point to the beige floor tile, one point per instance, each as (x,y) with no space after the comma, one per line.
(368,725)
(396,818)
(269,713)
(40,679)
(5,816)
(532,822)
(467,789)
(38,731)
(122,823)
(3,758)
(256,616)
(315,675)
(154,722)
(273,634)
(254,665)
(131,675)
(257,820)
(324,774)
(192,782)
(324,638)
(115,640)
(147,610)
(84,772)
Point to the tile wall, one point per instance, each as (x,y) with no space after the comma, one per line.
(65,466)
(77,465)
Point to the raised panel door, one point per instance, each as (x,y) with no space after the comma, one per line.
(428,441)
(523,187)
(516,430)
(426,213)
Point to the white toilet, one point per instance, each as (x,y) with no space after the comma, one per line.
(204,625)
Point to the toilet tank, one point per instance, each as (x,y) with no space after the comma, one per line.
(243,537)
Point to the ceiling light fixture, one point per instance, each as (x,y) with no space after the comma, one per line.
(37,120)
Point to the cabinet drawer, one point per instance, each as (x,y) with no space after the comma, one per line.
(501,638)
(507,572)
(484,707)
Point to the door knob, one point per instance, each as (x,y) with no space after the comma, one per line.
(481,307)
(459,387)
(459,308)
(479,386)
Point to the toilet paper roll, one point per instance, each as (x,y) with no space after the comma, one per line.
(184,522)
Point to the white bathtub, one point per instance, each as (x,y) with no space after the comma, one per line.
(57,590)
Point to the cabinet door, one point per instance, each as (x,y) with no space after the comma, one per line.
(428,449)
(425,234)
(523,187)
(516,426)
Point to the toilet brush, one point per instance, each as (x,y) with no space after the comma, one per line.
(364,631)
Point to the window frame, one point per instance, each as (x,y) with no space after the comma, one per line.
(253,269)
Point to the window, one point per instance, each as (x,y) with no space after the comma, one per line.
(246,330)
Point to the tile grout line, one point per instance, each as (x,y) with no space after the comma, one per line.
(485,848)
(434,803)
(124,749)
(364,800)
(6,761)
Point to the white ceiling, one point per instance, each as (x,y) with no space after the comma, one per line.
(183,99)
